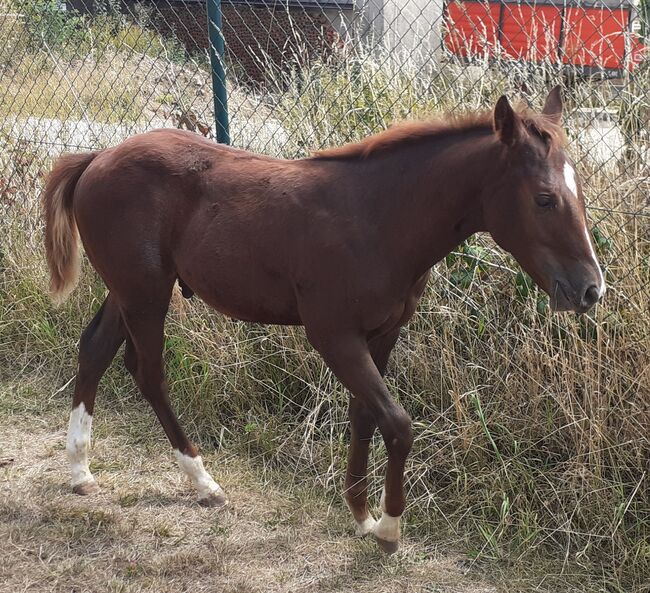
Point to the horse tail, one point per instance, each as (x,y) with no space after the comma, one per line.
(61,236)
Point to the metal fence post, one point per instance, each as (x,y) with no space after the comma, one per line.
(217,51)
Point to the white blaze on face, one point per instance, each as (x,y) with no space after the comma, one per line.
(202,480)
(570,179)
(78,445)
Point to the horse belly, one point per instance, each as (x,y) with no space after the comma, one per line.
(247,293)
(235,254)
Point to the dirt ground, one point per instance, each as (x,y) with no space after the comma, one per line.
(144,532)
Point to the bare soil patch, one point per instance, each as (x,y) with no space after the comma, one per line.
(144,532)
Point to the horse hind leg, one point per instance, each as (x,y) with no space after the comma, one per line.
(97,347)
(143,359)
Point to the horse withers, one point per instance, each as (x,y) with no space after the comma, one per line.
(341,242)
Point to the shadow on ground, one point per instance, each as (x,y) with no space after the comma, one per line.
(144,532)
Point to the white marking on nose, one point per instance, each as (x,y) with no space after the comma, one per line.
(570,179)
(78,445)
(602,288)
(193,468)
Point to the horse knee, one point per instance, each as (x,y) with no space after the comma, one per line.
(397,432)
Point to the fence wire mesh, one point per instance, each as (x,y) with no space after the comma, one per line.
(302,75)
(307,74)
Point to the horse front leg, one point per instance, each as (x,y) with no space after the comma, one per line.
(362,427)
(350,359)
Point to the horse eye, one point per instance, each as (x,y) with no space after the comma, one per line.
(546,201)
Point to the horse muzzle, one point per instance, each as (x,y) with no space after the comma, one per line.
(566,297)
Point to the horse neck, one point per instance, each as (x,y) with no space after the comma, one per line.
(433,197)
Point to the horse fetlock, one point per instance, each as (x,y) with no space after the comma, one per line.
(365,526)
(387,532)
(80,473)
(210,493)
(363,520)
(77,447)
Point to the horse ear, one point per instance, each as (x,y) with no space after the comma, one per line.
(553,105)
(506,121)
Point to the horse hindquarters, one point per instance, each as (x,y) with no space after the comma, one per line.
(135,260)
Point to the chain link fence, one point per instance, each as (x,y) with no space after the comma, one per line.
(307,74)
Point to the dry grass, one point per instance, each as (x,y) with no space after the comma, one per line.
(531,430)
(532,446)
(144,532)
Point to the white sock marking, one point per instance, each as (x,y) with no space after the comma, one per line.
(366,526)
(202,480)
(362,527)
(570,179)
(387,528)
(78,445)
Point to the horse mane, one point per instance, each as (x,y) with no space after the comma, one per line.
(410,132)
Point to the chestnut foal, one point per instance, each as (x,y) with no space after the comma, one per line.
(341,243)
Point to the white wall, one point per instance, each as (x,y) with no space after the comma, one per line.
(412,26)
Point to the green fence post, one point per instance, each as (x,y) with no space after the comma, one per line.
(217,50)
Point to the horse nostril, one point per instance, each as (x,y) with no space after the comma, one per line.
(592,296)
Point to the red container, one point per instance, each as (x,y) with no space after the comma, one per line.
(530,32)
(595,37)
(595,34)
(472,28)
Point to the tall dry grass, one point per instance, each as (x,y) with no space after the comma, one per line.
(532,446)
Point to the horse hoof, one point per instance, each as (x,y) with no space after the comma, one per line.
(386,546)
(215,500)
(86,488)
